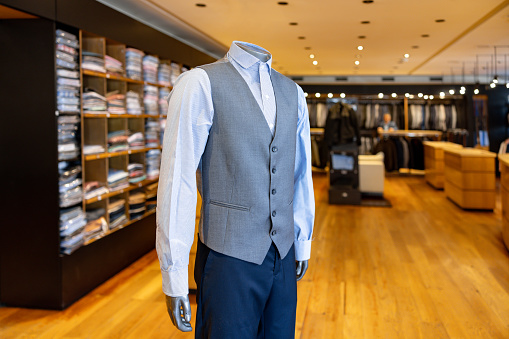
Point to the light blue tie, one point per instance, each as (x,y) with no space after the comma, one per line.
(268,98)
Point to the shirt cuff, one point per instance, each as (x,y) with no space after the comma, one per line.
(175,283)
(302,250)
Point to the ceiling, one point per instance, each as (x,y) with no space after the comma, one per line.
(330,30)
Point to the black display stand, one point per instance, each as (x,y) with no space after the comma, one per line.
(344,175)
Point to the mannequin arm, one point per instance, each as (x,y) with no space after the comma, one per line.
(179,310)
(302,267)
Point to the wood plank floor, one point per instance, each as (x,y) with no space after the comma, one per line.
(421,269)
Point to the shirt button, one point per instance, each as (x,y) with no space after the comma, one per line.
(273,191)
(273,170)
(274,233)
(273,213)
(274,149)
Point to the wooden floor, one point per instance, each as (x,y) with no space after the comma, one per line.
(421,269)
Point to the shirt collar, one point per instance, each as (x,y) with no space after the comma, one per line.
(243,58)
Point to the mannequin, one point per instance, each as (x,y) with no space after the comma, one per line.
(179,308)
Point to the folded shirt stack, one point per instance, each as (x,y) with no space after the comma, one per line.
(152,128)
(136,205)
(163,75)
(113,65)
(68,77)
(136,141)
(96,224)
(93,149)
(94,189)
(164,93)
(93,102)
(175,73)
(68,143)
(117,179)
(92,61)
(133,60)
(151,196)
(136,173)
(150,65)
(116,102)
(152,163)
(69,182)
(117,141)
(133,103)
(150,99)
(72,224)
(116,212)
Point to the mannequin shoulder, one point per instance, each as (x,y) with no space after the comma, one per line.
(195,78)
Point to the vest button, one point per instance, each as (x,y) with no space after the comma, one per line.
(274,149)
(273,170)
(274,233)
(273,191)
(273,213)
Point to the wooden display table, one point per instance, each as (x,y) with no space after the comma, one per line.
(434,161)
(504,183)
(470,177)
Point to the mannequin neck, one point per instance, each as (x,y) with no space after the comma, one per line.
(257,53)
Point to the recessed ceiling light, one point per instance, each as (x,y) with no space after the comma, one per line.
(425,35)
(312,56)
(365,22)
(407,55)
(380,95)
(330,95)
(342,95)
(357,62)
(201,5)
(302,37)
(362,37)
(293,24)
(315,62)
(415,46)
(282,3)
(368,1)
(440,20)
(360,48)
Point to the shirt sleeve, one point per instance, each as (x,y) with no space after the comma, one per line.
(303,197)
(189,119)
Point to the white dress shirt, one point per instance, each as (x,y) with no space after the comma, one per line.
(190,116)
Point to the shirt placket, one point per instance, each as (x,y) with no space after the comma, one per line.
(267,96)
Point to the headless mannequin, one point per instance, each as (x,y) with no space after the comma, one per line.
(179,308)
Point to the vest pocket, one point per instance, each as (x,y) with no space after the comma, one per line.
(232,206)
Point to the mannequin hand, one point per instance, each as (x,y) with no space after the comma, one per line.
(179,310)
(302,267)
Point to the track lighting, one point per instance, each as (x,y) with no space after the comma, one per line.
(317,95)
(420,95)
(493,85)
(394,95)
(342,95)
(476,91)
(451,92)
(495,79)
(330,95)
(380,95)
(442,95)
(306,94)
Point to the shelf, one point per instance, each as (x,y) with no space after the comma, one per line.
(412,133)
(129,116)
(88,242)
(127,189)
(116,154)
(111,76)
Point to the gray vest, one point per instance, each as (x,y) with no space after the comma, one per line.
(247,175)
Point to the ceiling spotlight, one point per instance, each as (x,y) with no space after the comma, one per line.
(312,56)
(407,56)
(282,3)
(315,62)
(360,48)
(463,88)
(493,85)
(407,95)
(415,46)
(495,79)
(411,96)
(293,23)
(442,95)
(201,5)
(431,97)
(361,37)
(357,62)
(440,20)
(381,95)
(419,95)
(342,95)
(425,97)
(307,48)
(330,95)
(306,94)
(368,1)
(507,85)
(365,22)
(425,36)
(476,91)
(317,95)
(394,95)
(451,92)
(301,37)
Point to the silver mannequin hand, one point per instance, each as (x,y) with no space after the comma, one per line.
(302,267)
(179,310)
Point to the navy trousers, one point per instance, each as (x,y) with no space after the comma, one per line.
(237,299)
